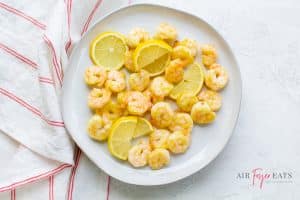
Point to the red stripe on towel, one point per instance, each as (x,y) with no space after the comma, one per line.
(73,173)
(35,178)
(51,183)
(69,11)
(18,55)
(13,194)
(56,64)
(23,15)
(108,188)
(88,21)
(46,80)
(31,108)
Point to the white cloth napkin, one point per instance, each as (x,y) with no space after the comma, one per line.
(29,90)
(35,38)
(35,165)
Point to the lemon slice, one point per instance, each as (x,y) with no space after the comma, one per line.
(121,133)
(192,81)
(108,50)
(152,56)
(143,127)
(194,73)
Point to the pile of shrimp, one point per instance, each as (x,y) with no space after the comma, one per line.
(128,92)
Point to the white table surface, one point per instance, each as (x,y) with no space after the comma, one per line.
(265,37)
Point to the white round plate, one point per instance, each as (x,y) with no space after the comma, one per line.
(207,141)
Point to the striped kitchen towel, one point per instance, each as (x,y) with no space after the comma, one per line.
(38,158)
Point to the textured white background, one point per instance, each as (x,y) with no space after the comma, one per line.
(265,37)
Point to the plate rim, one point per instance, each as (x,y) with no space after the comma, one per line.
(204,163)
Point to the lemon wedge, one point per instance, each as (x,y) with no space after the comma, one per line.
(152,56)
(192,81)
(120,136)
(143,127)
(108,50)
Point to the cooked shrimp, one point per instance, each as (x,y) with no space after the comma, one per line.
(178,142)
(122,99)
(95,76)
(182,122)
(152,98)
(158,158)
(147,93)
(136,36)
(158,138)
(191,44)
(108,119)
(116,81)
(213,99)
(138,155)
(174,71)
(209,55)
(108,116)
(160,87)
(186,101)
(216,78)
(97,128)
(156,99)
(201,113)
(137,104)
(139,81)
(143,141)
(166,32)
(129,61)
(113,110)
(184,54)
(162,114)
(98,98)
